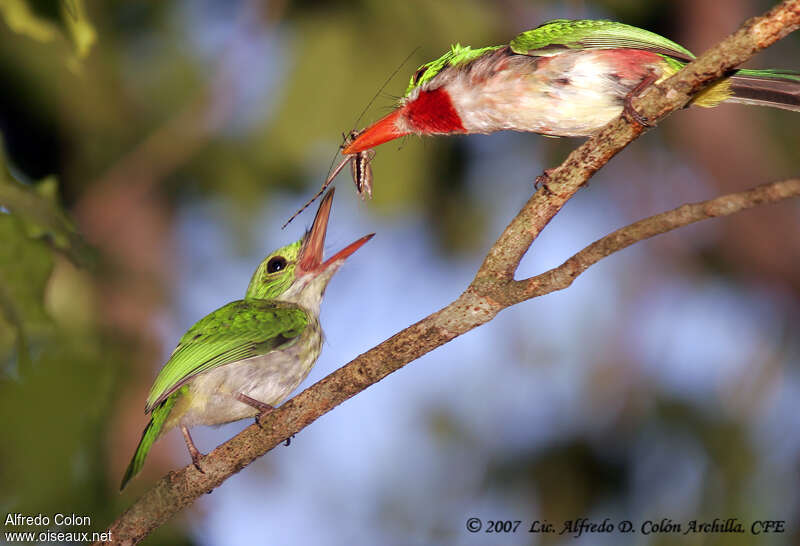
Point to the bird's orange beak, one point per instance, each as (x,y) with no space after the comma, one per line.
(311,254)
(383,130)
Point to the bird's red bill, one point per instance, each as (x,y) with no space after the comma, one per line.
(311,254)
(347,251)
(383,130)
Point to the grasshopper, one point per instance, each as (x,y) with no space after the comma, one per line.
(359,167)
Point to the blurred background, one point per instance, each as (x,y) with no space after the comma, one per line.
(152,150)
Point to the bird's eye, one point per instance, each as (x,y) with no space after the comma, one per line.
(418,74)
(276,264)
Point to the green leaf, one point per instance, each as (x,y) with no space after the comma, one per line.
(22,19)
(25,267)
(80,29)
(38,206)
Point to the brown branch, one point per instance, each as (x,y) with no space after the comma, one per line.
(493,288)
(562,276)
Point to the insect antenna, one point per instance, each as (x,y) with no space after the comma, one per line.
(332,172)
(321,190)
(382,87)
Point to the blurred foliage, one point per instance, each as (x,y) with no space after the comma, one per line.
(25,267)
(59,367)
(53,20)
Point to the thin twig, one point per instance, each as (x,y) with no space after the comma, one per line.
(562,276)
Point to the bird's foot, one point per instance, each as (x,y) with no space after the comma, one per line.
(629,111)
(264,408)
(288,441)
(633,115)
(542,181)
(196,458)
(193,451)
(261,416)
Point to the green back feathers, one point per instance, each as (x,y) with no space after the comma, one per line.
(150,435)
(269,281)
(555,36)
(789,75)
(239,330)
(457,55)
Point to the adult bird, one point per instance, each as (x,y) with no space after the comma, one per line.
(563,78)
(249,355)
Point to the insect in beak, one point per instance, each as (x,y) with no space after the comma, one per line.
(359,166)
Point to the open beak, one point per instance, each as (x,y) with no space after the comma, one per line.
(383,130)
(310,260)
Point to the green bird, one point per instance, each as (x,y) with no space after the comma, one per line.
(249,355)
(563,78)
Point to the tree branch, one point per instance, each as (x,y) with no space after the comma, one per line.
(493,288)
(562,276)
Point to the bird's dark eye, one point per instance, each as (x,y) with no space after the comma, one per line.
(276,264)
(418,74)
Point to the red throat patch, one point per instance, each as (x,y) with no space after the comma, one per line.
(432,112)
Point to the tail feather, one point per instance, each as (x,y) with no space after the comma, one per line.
(151,432)
(776,88)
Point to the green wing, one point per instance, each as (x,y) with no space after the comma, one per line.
(239,330)
(555,36)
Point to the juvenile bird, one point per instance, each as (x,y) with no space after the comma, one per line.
(249,355)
